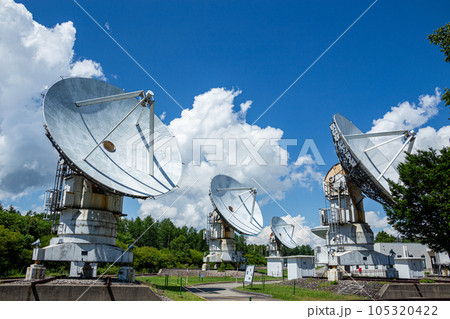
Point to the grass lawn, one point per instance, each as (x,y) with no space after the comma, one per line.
(287,293)
(172,290)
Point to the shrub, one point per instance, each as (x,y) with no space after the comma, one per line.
(426,281)
(225,266)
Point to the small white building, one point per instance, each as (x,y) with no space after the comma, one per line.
(275,266)
(409,267)
(433,262)
(300,266)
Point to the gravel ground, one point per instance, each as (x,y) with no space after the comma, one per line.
(73,281)
(441,278)
(100,282)
(160,294)
(19,282)
(197,272)
(359,288)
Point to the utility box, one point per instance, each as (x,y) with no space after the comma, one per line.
(300,266)
(275,266)
(126,274)
(35,272)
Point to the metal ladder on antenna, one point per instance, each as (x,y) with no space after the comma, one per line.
(53,197)
(335,229)
(207,233)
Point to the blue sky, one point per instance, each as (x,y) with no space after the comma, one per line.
(261,48)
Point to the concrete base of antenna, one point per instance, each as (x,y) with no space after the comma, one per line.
(227,257)
(126,274)
(206,267)
(35,272)
(350,250)
(87,229)
(275,253)
(335,274)
(274,247)
(221,239)
(83,269)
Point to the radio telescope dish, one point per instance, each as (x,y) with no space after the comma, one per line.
(111,137)
(283,231)
(363,161)
(237,204)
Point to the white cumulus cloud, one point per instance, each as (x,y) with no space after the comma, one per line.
(216,139)
(408,116)
(379,222)
(33,57)
(87,69)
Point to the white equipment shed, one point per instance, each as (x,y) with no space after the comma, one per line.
(300,266)
(409,267)
(275,266)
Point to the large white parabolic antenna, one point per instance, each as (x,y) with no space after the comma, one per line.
(111,137)
(237,204)
(363,161)
(283,231)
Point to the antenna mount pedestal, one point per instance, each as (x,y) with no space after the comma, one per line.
(349,239)
(274,247)
(87,229)
(221,240)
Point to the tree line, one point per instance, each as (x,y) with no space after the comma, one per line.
(17,233)
(155,244)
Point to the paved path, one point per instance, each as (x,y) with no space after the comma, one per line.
(224,291)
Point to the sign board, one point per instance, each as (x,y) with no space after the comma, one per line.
(249,271)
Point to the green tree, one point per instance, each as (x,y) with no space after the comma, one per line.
(14,252)
(254,258)
(240,243)
(147,259)
(196,257)
(421,208)
(123,234)
(179,244)
(169,260)
(383,237)
(199,243)
(441,37)
(149,235)
(299,250)
(18,232)
(136,228)
(166,233)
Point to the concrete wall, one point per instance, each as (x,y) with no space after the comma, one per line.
(48,292)
(415,291)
